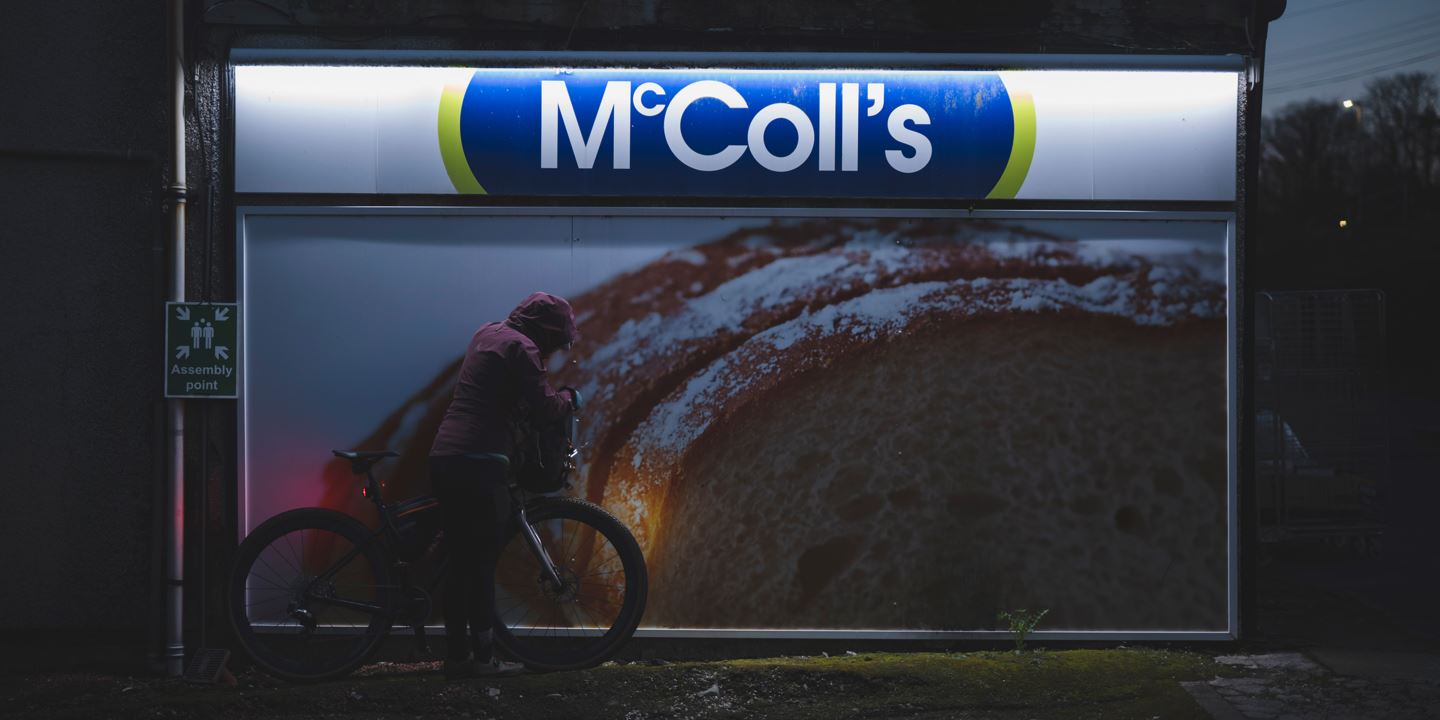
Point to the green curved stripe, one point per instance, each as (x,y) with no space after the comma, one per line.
(1022,150)
(451,151)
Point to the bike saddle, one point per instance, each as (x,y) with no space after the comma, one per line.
(361,460)
(365,454)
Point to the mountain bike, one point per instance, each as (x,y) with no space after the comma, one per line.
(313,592)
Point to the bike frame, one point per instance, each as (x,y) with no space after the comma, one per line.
(387,529)
(533,540)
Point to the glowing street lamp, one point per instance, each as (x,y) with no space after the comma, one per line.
(1349,104)
(1344,223)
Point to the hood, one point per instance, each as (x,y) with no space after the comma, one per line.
(546,319)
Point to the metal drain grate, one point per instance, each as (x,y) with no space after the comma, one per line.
(207,666)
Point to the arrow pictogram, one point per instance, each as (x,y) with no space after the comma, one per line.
(222,352)
(222,314)
(182,313)
(182,352)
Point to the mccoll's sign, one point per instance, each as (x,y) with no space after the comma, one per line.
(651,132)
(736,133)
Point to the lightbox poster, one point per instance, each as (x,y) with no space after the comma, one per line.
(846,423)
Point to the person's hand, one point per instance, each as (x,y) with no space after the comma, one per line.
(572,395)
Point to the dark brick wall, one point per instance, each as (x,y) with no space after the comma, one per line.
(82,143)
(853,25)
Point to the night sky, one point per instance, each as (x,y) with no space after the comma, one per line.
(1329,49)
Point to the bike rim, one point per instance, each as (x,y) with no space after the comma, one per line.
(293,603)
(554,626)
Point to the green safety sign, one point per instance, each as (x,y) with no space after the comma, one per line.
(201,349)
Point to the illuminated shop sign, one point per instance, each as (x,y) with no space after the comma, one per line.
(737,133)
(650,132)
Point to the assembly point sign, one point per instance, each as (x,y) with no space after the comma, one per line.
(200,349)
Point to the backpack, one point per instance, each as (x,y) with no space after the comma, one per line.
(545,454)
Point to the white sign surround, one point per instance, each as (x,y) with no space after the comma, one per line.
(1121,135)
(1161,140)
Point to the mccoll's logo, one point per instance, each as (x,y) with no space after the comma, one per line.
(737,133)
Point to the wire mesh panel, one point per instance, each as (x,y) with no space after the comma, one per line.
(1320,425)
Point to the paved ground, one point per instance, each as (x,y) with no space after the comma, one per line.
(1348,685)
(1348,631)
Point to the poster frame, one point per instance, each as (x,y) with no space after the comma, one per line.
(244,212)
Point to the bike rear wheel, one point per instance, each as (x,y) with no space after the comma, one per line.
(597,608)
(310,595)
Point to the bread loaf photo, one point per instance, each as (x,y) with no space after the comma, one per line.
(896,423)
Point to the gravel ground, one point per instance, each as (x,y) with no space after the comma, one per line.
(1342,636)
(1113,683)
(1116,683)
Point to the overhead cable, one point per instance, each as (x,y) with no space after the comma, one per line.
(1350,76)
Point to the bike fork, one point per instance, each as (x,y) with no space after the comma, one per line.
(533,540)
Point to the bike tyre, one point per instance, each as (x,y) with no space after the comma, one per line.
(273,530)
(633,606)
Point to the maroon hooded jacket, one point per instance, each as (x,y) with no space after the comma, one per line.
(503,376)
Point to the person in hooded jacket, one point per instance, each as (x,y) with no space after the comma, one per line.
(502,379)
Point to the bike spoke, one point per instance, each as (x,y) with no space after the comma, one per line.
(601,585)
(611,603)
(528,609)
(266,582)
(598,626)
(607,572)
(565,557)
(300,559)
(278,576)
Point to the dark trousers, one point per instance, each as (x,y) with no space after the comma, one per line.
(474,508)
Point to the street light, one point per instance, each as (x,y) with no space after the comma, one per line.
(1349,104)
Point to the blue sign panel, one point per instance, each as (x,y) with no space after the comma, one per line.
(737,133)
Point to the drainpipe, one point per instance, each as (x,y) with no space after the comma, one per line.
(175,542)
(1262,13)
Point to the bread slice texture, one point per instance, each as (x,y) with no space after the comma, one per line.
(1075,463)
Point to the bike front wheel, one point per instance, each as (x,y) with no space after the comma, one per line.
(598,604)
(310,596)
